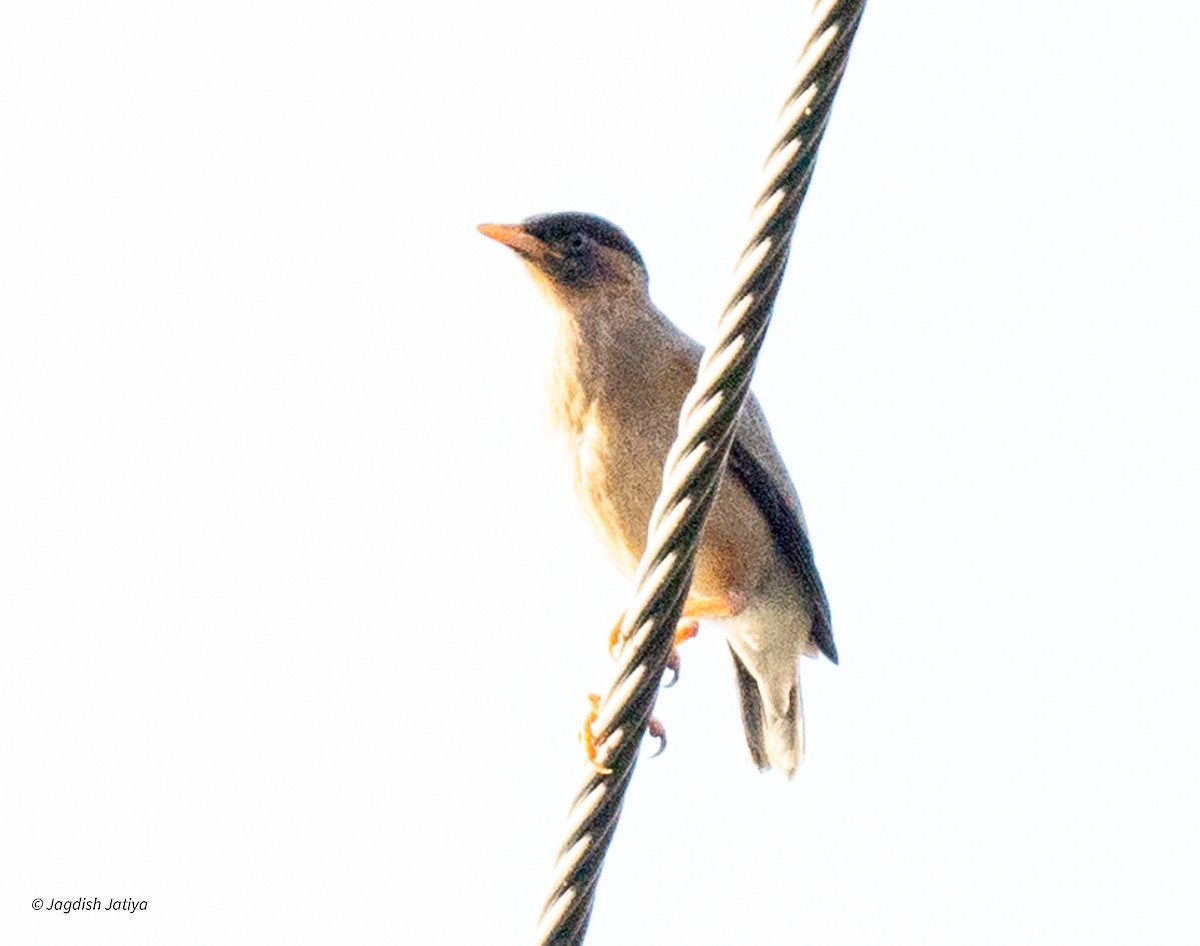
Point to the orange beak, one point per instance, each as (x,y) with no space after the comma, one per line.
(517,238)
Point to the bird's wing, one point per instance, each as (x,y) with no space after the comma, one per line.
(755,463)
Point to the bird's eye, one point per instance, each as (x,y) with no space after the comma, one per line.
(577,241)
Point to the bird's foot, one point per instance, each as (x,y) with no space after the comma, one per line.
(591,746)
(688,628)
(695,608)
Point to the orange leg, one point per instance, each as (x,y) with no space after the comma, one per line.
(713,606)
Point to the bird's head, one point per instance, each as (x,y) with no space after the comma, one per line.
(577,258)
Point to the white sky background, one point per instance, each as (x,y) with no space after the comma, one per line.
(297,613)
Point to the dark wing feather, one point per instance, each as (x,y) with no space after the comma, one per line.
(790,539)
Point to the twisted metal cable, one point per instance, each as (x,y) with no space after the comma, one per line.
(693,471)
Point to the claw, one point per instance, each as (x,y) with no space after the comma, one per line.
(591,747)
(655,728)
(686,630)
(673,666)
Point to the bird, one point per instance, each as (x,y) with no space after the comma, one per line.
(620,372)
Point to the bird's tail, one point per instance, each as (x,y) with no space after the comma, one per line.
(776,740)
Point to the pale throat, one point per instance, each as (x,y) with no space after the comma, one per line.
(599,346)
